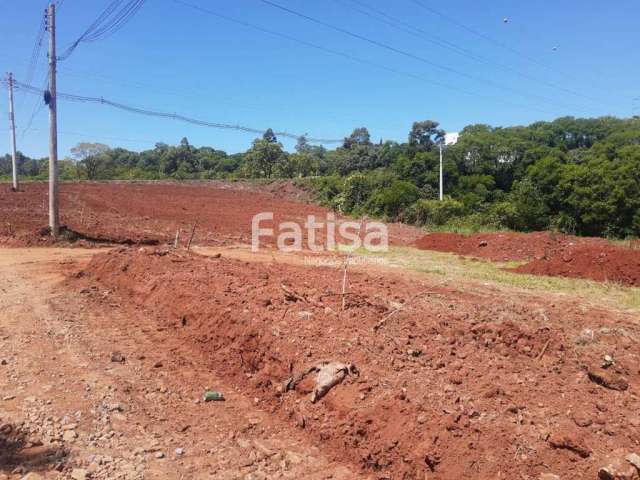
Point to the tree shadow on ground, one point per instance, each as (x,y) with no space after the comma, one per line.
(19,451)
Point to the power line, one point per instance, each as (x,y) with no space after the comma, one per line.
(399,51)
(35,55)
(488,38)
(37,108)
(354,58)
(36,111)
(108,22)
(118,22)
(444,43)
(185,92)
(98,136)
(174,116)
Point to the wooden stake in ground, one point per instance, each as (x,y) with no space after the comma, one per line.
(193,232)
(175,242)
(344,281)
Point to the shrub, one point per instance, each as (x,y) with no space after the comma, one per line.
(530,205)
(505,214)
(433,212)
(390,201)
(356,192)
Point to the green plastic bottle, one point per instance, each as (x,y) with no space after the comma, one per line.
(213,396)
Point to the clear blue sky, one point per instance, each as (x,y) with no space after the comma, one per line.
(172,58)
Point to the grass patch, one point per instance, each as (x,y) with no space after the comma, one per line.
(464,269)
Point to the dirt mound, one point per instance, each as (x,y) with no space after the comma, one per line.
(503,246)
(548,254)
(604,263)
(449,384)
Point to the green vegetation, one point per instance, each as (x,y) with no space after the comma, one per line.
(467,273)
(573,175)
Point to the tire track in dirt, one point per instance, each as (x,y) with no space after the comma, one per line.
(69,409)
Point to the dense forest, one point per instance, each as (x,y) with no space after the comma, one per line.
(573,175)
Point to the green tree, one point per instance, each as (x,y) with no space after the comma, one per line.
(263,157)
(424,135)
(269,136)
(92,157)
(389,202)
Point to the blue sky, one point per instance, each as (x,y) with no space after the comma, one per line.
(175,59)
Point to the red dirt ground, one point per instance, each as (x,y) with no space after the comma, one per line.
(548,254)
(451,384)
(503,246)
(131,212)
(605,263)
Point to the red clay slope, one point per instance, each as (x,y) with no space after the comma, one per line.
(130,212)
(606,263)
(451,385)
(503,246)
(548,254)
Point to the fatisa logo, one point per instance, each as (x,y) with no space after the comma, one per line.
(326,234)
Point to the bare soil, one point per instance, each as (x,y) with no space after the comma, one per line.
(138,213)
(450,385)
(67,409)
(603,263)
(547,253)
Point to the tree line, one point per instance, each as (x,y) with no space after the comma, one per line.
(573,175)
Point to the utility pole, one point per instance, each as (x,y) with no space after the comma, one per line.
(50,98)
(441,176)
(12,127)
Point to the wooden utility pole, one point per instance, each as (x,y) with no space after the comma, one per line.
(50,97)
(12,127)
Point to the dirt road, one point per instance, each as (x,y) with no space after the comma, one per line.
(67,410)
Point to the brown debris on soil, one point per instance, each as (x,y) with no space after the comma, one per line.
(453,387)
(608,380)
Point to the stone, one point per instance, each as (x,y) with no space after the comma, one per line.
(548,476)
(179,451)
(633,459)
(617,467)
(69,435)
(159,455)
(608,380)
(582,420)
(32,476)
(569,438)
(117,357)
(79,474)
